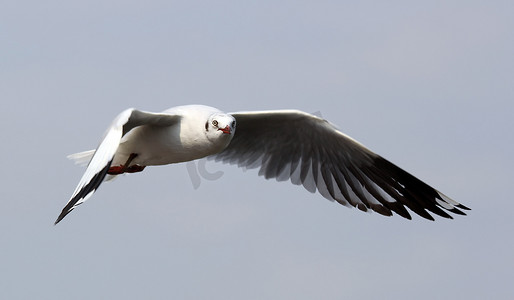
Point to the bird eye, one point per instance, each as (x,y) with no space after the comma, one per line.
(233,124)
(214,123)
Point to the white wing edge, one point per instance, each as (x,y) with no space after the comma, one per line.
(272,112)
(100,160)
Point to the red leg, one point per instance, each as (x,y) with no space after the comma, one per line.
(117,170)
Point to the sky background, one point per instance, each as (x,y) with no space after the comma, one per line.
(428,85)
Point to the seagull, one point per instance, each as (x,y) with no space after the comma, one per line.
(285,144)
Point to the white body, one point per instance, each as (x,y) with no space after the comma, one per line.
(157,145)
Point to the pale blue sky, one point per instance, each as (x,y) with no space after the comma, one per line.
(428,85)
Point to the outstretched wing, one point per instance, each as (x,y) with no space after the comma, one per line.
(102,158)
(308,150)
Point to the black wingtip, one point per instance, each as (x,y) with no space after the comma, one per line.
(457,211)
(65,211)
(62,215)
(414,193)
(462,207)
(86,191)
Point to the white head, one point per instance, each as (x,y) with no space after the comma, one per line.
(220,126)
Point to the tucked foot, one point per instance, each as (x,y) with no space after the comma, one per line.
(116,170)
(135,169)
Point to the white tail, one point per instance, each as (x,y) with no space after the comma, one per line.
(82,158)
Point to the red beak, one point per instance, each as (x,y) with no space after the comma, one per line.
(225,130)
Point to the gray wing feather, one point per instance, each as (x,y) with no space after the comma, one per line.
(308,150)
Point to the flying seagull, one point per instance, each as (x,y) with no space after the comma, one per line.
(285,144)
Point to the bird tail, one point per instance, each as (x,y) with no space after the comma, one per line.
(83,159)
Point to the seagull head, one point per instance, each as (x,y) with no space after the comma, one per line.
(221,124)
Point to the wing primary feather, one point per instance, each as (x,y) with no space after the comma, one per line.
(326,174)
(462,207)
(415,194)
(368,197)
(355,186)
(385,206)
(343,187)
(306,177)
(86,190)
(457,211)
(272,165)
(314,165)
